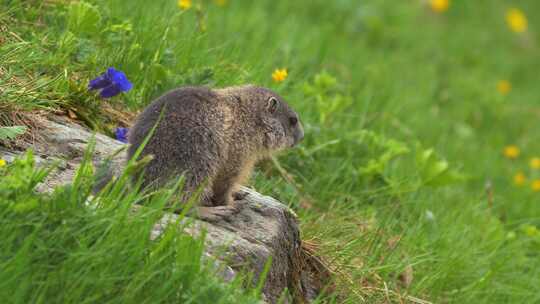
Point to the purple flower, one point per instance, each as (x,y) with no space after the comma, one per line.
(121,134)
(113,82)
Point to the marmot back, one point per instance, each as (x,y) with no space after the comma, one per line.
(213,136)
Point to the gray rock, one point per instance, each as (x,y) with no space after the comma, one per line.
(260,228)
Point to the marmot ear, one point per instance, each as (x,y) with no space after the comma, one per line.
(272,105)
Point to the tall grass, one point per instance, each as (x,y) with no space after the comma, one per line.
(71,247)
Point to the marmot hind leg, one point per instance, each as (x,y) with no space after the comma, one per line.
(227,182)
(193,187)
(223,188)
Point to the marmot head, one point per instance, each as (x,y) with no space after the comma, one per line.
(281,125)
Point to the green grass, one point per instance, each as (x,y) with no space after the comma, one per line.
(377,84)
(67,247)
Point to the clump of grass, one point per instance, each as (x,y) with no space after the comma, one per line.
(69,247)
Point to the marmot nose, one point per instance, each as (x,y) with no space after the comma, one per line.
(299,134)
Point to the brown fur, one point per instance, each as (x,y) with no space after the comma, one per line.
(213,137)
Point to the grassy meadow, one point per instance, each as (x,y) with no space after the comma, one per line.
(418,179)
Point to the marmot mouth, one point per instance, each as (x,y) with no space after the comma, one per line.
(298,136)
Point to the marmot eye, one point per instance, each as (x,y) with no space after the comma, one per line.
(293,120)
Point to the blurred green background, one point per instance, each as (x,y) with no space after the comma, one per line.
(419,171)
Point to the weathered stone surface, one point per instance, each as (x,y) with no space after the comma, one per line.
(261,228)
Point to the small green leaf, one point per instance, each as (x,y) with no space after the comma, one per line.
(435,171)
(389,149)
(83,18)
(11,132)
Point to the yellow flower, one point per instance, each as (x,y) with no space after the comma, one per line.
(530,230)
(519,179)
(535,163)
(279,75)
(2,163)
(504,87)
(511,152)
(439,6)
(535,185)
(516,20)
(184,4)
(221,2)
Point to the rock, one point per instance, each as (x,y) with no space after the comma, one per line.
(261,228)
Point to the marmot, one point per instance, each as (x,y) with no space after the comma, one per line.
(214,137)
